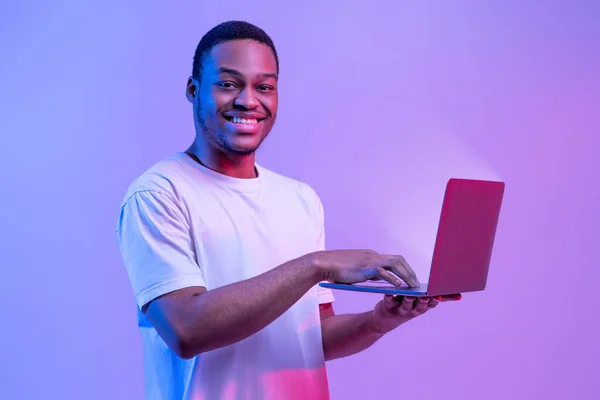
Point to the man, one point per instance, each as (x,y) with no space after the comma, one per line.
(225,256)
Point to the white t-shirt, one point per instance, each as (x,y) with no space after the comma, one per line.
(181,225)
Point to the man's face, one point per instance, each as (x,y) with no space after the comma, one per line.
(237,101)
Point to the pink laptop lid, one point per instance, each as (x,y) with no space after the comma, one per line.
(465,237)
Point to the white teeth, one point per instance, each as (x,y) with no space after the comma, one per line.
(238,120)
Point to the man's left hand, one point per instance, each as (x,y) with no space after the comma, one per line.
(393,311)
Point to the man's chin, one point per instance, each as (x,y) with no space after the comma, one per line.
(243,151)
(243,146)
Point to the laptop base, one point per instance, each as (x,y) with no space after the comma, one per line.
(381,287)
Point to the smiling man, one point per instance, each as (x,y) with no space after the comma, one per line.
(224,256)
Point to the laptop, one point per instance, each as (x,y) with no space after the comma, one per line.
(463,246)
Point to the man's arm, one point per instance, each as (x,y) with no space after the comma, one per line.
(347,334)
(194,320)
(344,335)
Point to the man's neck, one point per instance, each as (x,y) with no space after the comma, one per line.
(238,166)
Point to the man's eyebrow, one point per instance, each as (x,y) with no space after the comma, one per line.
(267,75)
(235,72)
(224,70)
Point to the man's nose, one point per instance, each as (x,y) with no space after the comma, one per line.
(247,99)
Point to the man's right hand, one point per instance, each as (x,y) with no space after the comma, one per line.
(354,266)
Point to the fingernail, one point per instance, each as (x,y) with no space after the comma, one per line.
(399,281)
(459,297)
(438,298)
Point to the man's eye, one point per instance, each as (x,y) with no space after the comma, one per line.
(226,85)
(265,88)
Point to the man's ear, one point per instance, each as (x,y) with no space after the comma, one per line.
(191,90)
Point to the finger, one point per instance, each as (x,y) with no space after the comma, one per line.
(398,300)
(388,276)
(401,268)
(395,270)
(451,297)
(390,303)
(422,305)
(434,301)
(411,273)
(407,305)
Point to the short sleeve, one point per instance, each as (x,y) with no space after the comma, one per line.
(325,295)
(156,246)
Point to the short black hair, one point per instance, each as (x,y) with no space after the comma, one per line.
(224,32)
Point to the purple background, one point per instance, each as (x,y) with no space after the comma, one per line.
(380,103)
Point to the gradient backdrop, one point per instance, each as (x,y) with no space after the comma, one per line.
(380,103)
